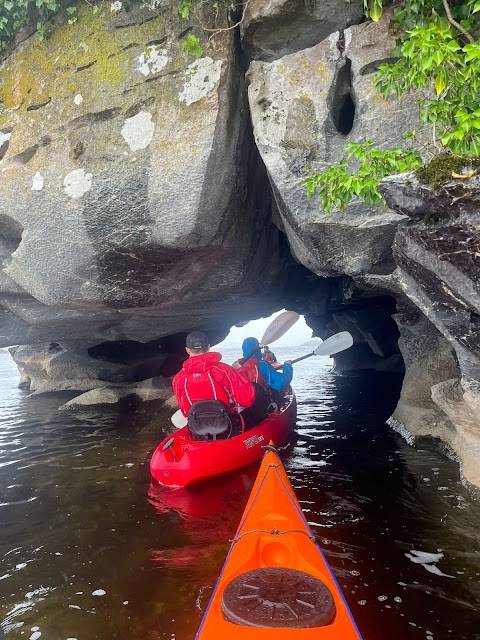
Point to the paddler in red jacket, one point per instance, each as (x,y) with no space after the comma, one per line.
(204,377)
(268,355)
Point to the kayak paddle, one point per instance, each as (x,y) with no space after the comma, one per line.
(179,420)
(275,330)
(330,346)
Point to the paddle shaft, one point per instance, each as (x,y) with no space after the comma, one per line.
(309,355)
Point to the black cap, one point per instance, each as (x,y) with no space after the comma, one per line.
(197,340)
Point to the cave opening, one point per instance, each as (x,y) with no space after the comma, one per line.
(343,104)
(296,336)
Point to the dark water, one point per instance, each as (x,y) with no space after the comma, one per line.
(87,554)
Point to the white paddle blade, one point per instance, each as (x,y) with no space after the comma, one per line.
(178,420)
(279,325)
(334,344)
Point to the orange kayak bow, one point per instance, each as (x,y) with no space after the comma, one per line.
(276,583)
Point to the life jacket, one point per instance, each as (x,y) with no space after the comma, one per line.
(250,371)
(204,377)
(202,385)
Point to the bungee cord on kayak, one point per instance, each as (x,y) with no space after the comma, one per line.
(273,532)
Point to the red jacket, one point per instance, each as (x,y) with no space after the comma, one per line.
(204,377)
(249,370)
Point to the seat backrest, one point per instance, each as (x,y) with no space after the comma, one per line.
(209,420)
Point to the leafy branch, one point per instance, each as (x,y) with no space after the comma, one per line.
(454,23)
(433,58)
(336,186)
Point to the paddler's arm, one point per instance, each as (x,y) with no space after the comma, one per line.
(240,388)
(273,377)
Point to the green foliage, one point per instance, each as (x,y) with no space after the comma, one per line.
(191,46)
(439,55)
(13,14)
(71,11)
(373,9)
(419,13)
(184,7)
(336,186)
(433,58)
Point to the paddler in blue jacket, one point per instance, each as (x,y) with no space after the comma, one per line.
(257,370)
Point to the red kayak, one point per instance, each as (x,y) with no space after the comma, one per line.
(180,461)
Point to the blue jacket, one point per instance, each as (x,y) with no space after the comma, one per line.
(276,379)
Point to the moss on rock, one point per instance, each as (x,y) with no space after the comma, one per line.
(442,168)
(33,74)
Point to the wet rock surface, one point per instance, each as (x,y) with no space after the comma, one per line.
(127,396)
(438,261)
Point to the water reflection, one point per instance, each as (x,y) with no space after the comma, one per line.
(87,551)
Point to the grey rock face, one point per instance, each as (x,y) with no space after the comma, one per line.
(406,195)
(428,361)
(154,389)
(438,258)
(56,367)
(124,211)
(367,315)
(439,270)
(462,406)
(274,28)
(305,108)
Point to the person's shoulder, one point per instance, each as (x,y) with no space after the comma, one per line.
(224,366)
(228,370)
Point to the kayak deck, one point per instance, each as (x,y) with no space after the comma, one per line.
(180,461)
(275,582)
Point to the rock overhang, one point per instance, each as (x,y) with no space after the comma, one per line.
(131,162)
